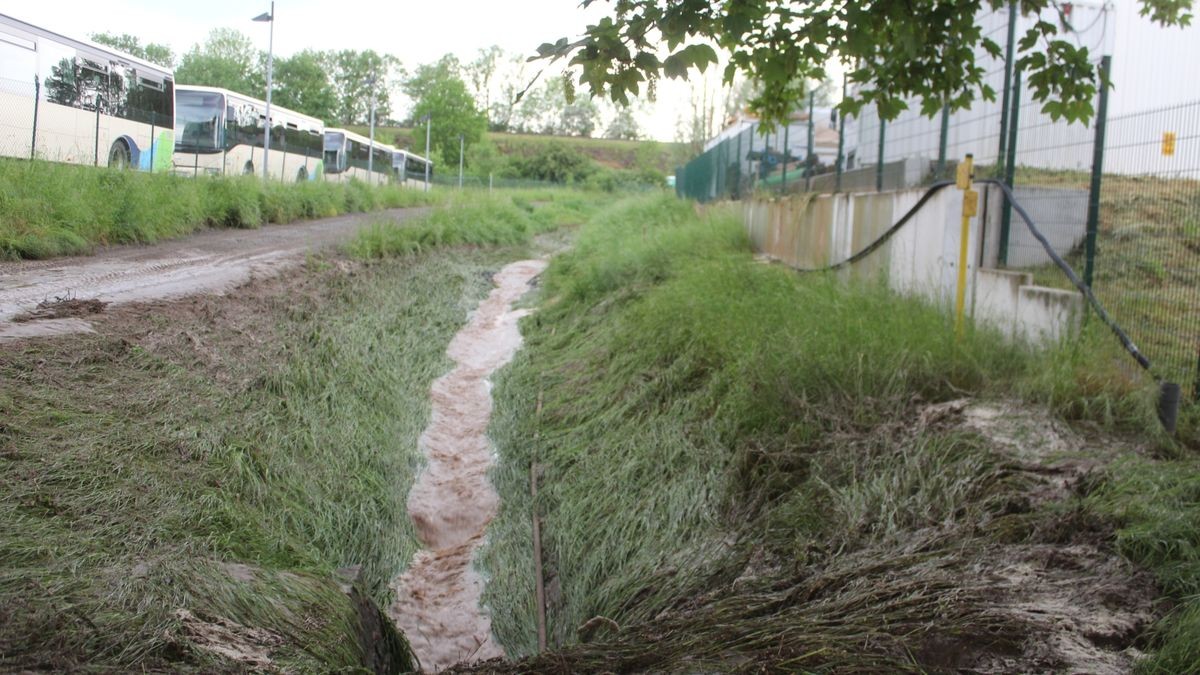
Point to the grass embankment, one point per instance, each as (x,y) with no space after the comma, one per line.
(224,456)
(49,209)
(739,470)
(1147,263)
(610,153)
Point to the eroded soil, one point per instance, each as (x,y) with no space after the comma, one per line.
(214,261)
(438,598)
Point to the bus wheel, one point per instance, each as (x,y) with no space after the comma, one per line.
(248,170)
(119,156)
(302,175)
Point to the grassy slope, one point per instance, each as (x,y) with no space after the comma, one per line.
(707,419)
(615,154)
(49,209)
(275,430)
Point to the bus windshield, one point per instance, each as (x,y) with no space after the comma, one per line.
(198,120)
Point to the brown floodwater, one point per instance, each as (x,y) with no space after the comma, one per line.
(438,598)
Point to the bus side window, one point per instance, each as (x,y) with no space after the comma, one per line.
(18,62)
(118,91)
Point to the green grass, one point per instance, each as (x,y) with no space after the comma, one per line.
(700,411)
(49,209)
(1156,504)
(276,431)
(477,219)
(615,154)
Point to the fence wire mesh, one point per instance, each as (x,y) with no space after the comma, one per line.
(1140,203)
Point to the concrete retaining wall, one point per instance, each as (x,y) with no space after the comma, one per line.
(816,231)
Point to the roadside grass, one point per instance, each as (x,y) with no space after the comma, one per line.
(49,209)
(224,457)
(732,464)
(477,219)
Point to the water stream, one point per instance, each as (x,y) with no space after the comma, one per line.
(452,502)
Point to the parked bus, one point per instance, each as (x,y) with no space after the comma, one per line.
(347,155)
(75,101)
(409,169)
(220,132)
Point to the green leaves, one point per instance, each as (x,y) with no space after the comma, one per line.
(896,50)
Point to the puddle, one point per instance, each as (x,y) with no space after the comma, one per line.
(452,502)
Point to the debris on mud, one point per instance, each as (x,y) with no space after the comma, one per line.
(62,308)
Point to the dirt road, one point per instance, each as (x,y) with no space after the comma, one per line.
(208,262)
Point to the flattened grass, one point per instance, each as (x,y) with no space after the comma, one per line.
(699,409)
(224,458)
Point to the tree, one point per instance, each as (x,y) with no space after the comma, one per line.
(551,109)
(479,74)
(894,49)
(227,59)
(440,92)
(303,84)
(624,126)
(151,51)
(356,77)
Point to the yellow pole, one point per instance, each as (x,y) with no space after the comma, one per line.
(970,207)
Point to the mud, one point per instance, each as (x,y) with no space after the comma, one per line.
(438,598)
(214,261)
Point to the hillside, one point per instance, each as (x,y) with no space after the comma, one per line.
(612,154)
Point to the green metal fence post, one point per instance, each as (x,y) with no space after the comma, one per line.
(879,157)
(808,156)
(786,137)
(841,157)
(1008,74)
(737,186)
(945,136)
(1010,165)
(750,154)
(1093,212)
(37,95)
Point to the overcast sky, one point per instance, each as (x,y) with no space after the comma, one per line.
(1146,63)
(415,31)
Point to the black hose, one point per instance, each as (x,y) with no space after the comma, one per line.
(1126,342)
(870,248)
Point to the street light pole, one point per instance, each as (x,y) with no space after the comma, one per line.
(270,18)
(428,159)
(371,154)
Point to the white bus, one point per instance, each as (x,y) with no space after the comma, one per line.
(409,169)
(220,132)
(76,101)
(346,157)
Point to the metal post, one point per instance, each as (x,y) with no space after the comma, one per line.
(737,185)
(942,141)
(428,125)
(489,183)
(97,148)
(270,73)
(1008,75)
(1010,166)
(786,155)
(750,153)
(371,152)
(841,157)
(808,157)
(151,167)
(879,158)
(37,97)
(1093,212)
(460,160)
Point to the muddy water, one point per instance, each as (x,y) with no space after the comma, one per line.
(452,502)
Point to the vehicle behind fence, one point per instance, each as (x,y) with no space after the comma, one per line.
(1120,196)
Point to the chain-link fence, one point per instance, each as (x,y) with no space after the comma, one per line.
(67,120)
(1119,197)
